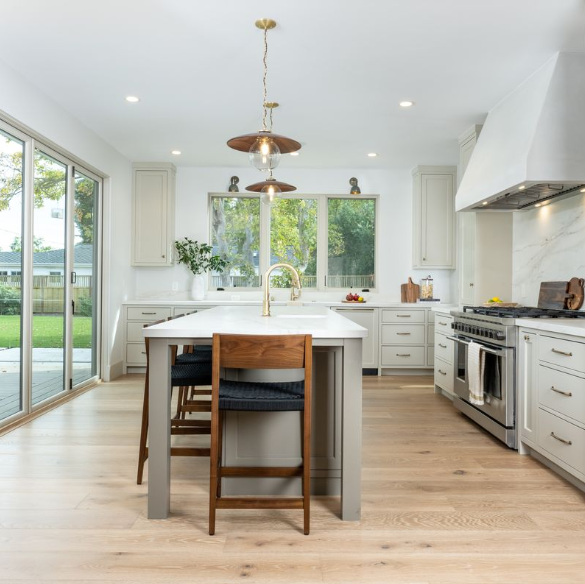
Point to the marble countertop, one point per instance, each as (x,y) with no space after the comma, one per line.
(565,326)
(318,321)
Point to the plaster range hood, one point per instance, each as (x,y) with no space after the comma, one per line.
(532,146)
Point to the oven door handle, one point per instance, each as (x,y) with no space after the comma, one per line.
(484,348)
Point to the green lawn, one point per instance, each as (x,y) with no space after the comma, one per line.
(47,331)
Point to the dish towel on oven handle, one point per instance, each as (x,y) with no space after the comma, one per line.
(475,372)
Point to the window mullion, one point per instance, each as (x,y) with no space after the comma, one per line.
(322,243)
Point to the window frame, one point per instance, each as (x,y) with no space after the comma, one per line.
(322,236)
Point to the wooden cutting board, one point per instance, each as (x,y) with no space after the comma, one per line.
(553,295)
(575,291)
(409,292)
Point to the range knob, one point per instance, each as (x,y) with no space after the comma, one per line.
(500,336)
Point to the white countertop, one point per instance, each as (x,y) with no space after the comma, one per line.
(565,326)
(318,321)
(308,303)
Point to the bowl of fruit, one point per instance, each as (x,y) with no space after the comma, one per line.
(354,298)
(497,301)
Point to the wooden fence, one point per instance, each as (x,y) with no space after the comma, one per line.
(49,291)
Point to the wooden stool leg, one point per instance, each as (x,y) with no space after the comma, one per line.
(219,448)
(142,450)
(213,460)
(178,415)
(307,471)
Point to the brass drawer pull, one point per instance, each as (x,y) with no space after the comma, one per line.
(403,354)
(403,315)
(567,442)
(144,352)
(442,372)
(562,352)
(402,334)
(527,338)
(567,393)
(442,323)
(149,313)
(442,346)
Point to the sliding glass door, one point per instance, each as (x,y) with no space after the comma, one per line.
(49,274)
(12,155)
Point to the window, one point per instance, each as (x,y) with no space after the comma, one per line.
(330,240)
(54,273)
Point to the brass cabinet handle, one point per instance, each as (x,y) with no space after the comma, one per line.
(403,334)
(527,338)
(567,442)
(471,284)
(149,313)
(403,316)
(403,354)
(442,372)
(442,323)
(442,346)
(567,393)
(562,352)
(144,352)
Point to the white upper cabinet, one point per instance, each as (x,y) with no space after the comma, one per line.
(153,202)
(434,217)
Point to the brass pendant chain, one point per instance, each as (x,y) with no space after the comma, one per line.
(264,61)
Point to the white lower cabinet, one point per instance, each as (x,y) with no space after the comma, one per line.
(551,384)
(444,352)
(368,318)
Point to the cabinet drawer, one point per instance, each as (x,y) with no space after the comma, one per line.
(148,313)
(443,324)
(402,316)
(444,374)
(136,354)
(397,356)
(561,352)
(135,332)
(551,433)
(444,348)
(403,334)
(562,392)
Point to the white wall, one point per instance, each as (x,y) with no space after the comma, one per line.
(395,222)
(24,102)
(549,245)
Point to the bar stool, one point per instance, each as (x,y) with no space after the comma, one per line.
(187,397)
(260,352)
(182,376)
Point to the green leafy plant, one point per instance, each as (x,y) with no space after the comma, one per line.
(9,300)
(197,256)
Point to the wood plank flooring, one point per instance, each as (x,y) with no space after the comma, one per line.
(443,503)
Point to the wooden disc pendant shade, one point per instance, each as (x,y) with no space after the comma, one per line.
(284,187)
(245,142)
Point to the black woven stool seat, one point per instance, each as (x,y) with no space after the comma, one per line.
(191,374)
(201,354)
(251,396)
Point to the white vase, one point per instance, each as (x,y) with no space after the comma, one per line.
(198,287)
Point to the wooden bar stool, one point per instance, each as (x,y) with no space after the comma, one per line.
(260,352)
(182,376)
(188,395)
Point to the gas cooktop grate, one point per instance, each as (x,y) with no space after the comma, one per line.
(524,312)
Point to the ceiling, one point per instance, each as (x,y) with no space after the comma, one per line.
(338,67)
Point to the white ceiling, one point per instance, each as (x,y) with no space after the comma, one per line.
(338,68)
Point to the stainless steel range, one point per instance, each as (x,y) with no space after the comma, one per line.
(495,330)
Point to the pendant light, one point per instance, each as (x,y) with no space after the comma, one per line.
(270,189)
(264,147)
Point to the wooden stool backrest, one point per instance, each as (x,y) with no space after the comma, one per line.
(262,351)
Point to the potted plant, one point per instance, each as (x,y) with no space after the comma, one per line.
(197,257)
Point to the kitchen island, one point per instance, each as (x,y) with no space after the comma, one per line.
(252,438)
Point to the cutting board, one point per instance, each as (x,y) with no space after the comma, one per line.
(409,292)
(561,295)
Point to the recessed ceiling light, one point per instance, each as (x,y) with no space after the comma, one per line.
(295,153)
(521,187)
(372,154)
(485,203)
(406,103)
(176,152)
(132,98)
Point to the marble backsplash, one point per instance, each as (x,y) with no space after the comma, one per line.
(549,245)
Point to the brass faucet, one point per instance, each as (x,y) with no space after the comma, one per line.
(295,291)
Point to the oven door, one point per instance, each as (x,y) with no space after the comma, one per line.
(499,401)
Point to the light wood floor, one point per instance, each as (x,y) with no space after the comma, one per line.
(443,503)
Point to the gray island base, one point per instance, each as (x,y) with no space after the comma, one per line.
(270,438)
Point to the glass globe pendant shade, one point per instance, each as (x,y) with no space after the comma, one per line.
(264,154)
(269,194)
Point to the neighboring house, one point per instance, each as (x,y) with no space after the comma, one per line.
(49,263)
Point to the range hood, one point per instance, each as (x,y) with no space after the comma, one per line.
(532,146)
